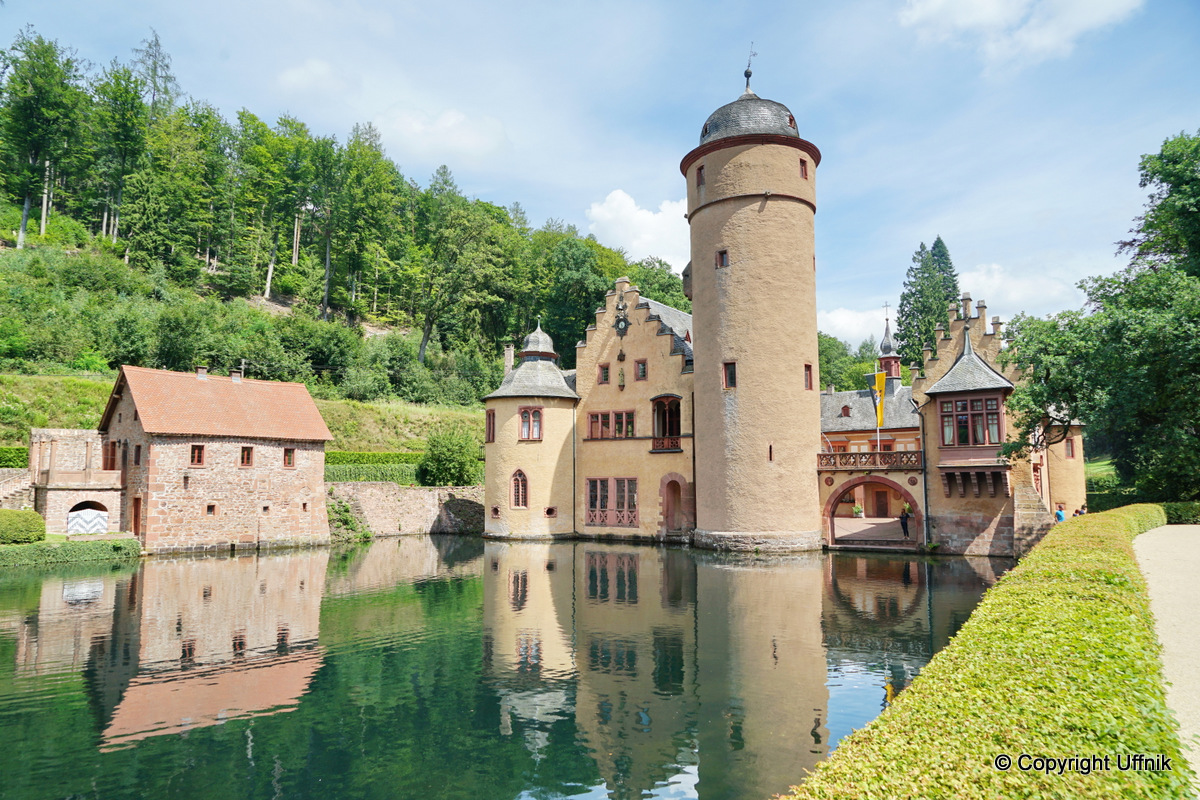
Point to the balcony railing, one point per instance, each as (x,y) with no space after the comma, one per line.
(95,478)
(666,443)
(902,459)
(610,518)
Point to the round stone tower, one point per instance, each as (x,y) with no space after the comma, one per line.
(751,190)
(529,432)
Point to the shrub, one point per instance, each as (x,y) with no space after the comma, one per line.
(396,473)
(451,458)
(1060,659)
(39,553)
(337,457)
(1182,513)
(21,527)
(14,457)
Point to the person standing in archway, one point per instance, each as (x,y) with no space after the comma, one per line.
(904,520)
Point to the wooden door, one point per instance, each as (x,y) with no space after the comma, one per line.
(137,516)
(881,504)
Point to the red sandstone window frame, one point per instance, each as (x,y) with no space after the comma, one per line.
(804,168)
(808,377)
(699,176)
(611,425)
(603,374)
(612,503)
(971,420)
(489,428)
(721,259)
(729,375)
(641,370)
(289,457)
(197,456)
(519,490)
(1069,447)
(529,423)
(246,459)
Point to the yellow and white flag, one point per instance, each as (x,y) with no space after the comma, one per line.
(877,393)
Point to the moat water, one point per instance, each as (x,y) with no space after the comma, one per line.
(447,667)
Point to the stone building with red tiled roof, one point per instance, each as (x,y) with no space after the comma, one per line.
(206,462)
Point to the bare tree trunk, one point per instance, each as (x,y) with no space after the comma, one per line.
(24,220)
(296,242)
(375,291)
(116,217)
(328,276)
(425,334)
(270,269)
(104,219)
(45,198)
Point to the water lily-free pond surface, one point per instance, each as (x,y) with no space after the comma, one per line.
(447,667)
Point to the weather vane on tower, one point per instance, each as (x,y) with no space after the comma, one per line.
(748,60)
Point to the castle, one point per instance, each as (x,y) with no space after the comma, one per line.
(712,428)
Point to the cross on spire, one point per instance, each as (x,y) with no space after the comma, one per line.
(886,317)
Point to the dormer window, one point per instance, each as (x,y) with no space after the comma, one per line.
(791,121)
(845,411)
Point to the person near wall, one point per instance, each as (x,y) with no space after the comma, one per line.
(1060,514)
(904,521)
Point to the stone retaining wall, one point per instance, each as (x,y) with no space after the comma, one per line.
(388,509)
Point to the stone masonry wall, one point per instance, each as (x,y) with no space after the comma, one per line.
(389,509)
(1032,521)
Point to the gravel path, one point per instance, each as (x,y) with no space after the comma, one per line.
(1170,560)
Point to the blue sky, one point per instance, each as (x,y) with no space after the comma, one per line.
(1012,128)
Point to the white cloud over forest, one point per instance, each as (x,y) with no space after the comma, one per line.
(619,221)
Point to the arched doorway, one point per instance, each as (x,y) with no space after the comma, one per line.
(672,506)
(867,509)
(87,517)
(677,506)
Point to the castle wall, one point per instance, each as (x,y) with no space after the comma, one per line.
(546,462)
(389,509)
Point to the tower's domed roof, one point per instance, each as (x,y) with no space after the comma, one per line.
(538,342)
(749,114)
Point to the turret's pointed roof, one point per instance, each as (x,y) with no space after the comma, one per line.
(536,375)
(887,347)
(970,373)
(538,342)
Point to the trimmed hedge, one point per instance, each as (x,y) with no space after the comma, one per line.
(340,457)
(1182,513)
(1059,659)
(14,457)
(397,473)
(38,553)
(20,527)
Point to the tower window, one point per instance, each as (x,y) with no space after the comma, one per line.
(1069,447)
(722,259)
(699,176)
(520,490)
(531,424)
(490,426)
(808,379)
(804,168)
(730,374)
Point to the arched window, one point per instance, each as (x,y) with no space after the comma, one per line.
(666,423)
(520,490)
(531,423)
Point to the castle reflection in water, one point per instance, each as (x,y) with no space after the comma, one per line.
(669,671)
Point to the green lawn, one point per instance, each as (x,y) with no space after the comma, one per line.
(1098,468)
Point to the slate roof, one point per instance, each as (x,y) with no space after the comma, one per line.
(970,373)
(180,403)
(534,378)
(748,114)
(675,322)
(887,346)
(538,342)
(898,411)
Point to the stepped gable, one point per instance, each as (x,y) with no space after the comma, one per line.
(675,323)
(969,373)
(192,403)
(898,410)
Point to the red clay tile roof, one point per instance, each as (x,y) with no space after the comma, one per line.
(183,404)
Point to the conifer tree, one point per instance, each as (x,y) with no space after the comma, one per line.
(929,287)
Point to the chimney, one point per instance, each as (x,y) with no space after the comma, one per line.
(202,373)
(914,372)
(509,353)
(966,305)
(235,375)
(997,325)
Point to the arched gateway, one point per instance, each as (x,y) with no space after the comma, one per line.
(881,500)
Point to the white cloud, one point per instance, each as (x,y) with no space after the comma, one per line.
(620,222)
(1008,291)
(850,325)
(449,135)
(314,75)
(1015,33)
